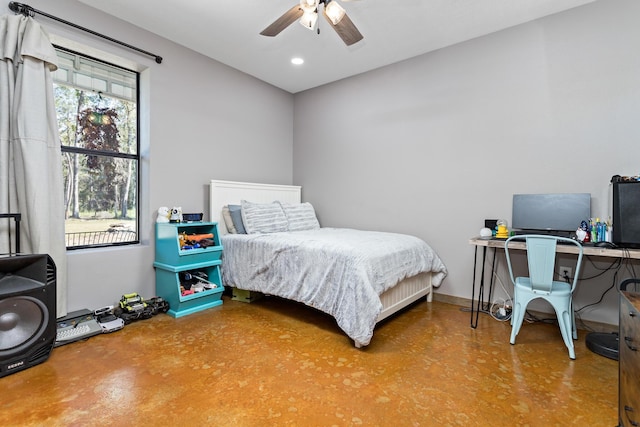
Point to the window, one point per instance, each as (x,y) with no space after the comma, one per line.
(97,110)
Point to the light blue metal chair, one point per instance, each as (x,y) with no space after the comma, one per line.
(541,258)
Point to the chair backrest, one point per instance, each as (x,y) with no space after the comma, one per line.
(541,256)
(541,259)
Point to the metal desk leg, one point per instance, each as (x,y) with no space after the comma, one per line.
(473,286)
(487,306)
(480,302)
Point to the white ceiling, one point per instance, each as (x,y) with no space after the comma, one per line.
(228,31)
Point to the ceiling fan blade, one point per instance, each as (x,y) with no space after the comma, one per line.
(346,29)
(289,17)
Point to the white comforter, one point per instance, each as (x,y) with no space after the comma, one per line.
(341,272)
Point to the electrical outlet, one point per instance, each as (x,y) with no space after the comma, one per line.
(564,271)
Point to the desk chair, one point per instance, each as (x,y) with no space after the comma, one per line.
(541,258)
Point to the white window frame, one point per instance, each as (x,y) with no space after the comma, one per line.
(115,81)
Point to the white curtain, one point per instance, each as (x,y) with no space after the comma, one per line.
(30,158)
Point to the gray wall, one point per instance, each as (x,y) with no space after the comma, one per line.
(200,119)
(434,145)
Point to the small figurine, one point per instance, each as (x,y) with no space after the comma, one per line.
(163,214)
(503,230)
(582,233)
(176,214)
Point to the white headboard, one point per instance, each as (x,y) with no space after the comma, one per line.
(222,193)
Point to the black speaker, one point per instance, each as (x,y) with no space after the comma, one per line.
(626,214)
(27,311)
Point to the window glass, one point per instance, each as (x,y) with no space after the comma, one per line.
(96,106)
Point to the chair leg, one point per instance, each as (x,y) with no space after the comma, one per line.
(514,302)
(517,317)
(566,327)
(574,327)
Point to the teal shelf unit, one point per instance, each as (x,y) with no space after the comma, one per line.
(168,287)
(168,243)
(171,261)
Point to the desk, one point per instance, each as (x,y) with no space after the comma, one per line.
(499,244)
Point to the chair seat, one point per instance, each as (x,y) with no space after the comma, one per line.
(557,288)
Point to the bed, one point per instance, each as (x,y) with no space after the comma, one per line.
(324,268)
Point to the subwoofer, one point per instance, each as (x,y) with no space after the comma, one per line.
(27,311)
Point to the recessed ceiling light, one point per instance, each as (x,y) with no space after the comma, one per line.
(297,61)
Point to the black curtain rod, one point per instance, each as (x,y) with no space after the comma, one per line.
(27,10)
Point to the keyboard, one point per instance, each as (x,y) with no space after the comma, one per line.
(76,330)
(72,333)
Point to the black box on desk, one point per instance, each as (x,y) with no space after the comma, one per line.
(626,214)
(491,224)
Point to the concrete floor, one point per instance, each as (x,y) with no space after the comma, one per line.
(277,363)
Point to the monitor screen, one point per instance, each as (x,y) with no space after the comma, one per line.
(550,212)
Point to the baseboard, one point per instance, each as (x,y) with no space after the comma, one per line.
(586,325)
(450,299)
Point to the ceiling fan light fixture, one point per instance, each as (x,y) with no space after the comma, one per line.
(306,12)
(334,12)
(309,20)
(309,5)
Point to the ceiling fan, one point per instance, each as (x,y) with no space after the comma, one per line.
(307,13)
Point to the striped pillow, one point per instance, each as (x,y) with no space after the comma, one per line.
(263,217)
(301,216)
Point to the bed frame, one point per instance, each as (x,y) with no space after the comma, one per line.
(223,193)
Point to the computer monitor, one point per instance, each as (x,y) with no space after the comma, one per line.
(550,213)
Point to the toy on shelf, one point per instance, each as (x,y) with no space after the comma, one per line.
(163,214)
(194,281)
(176,214)
(195,241)
(192,217)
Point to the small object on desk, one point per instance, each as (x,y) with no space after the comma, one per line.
(503,231)
(582,233)
(491,224)
(486,233)
(607,245)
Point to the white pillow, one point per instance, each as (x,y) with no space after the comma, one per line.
(300,216)
(228,221)
(263,217)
